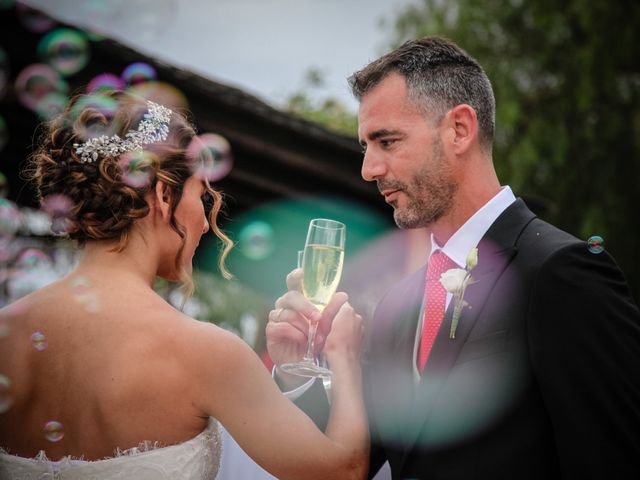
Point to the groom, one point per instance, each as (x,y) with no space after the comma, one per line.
(537,376)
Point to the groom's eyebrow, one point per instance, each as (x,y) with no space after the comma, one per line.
(383,132)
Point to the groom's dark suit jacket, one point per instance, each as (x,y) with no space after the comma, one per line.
(542,380)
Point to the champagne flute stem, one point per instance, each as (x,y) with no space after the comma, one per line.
(309,357)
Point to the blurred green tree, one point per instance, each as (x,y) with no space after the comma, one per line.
(328,111)
(567,84)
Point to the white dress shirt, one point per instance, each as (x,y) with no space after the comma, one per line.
(461,242)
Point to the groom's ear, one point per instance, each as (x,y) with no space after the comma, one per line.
(162,199)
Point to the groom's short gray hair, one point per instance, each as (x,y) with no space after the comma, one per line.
(439,76)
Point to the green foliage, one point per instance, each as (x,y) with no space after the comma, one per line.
(567,84)
(329,112)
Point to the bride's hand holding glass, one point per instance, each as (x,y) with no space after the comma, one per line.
(288,325)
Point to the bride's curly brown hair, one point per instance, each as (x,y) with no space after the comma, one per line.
(104,207)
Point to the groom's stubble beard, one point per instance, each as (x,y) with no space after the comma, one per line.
(430,193)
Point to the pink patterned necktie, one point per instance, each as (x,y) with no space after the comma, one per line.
(435,297)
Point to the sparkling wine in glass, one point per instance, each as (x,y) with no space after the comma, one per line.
(322,263)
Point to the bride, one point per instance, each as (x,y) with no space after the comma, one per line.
(103,378)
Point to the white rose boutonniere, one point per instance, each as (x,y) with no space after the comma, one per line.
(456,281)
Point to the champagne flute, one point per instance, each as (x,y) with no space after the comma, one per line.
(322,262)
(322,361)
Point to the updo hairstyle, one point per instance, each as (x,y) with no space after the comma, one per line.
(103,205)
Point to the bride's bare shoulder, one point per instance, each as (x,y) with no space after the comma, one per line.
(204,340)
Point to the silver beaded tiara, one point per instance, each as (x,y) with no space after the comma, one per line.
(154,127)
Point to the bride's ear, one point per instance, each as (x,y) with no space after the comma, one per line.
(162,199)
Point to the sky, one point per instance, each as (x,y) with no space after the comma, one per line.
(264,47)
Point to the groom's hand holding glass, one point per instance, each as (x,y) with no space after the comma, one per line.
(288,326)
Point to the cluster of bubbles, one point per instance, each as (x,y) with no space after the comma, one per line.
(28,260)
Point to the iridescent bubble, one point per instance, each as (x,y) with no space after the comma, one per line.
(84,294)
(53,431)
(58,207)
(4,70)
(39,341)
(51,105)
(138,73)
(210,157)
(4,133)
(80,286)
(6,398)
(162,93)
(65,49)
(256,240)
(37,81)
(34,20)
(137,168)
(105,82)
(104,104)
(595,244)
(31,259)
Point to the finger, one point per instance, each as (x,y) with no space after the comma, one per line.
(294,280)
(277,332)
(330,311)
(294,300)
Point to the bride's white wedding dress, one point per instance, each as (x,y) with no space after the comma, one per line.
(195,459)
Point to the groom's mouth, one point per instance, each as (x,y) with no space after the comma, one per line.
(390,194)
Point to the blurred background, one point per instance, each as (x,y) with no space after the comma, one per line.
(266,84)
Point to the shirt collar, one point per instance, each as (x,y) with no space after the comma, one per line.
(471,232)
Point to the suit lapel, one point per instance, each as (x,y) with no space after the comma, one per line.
(495,251)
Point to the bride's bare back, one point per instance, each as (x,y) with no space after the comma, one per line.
(107,364)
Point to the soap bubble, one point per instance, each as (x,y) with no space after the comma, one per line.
(257,240)
(83,293)
(31,259)
(595,244)
(162,93)
(65,49)
(53,431)
(210,156)
(35,82)
(137,168)
(51,105)
(58,207)
(105,82)
(39,341)
(138,73)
